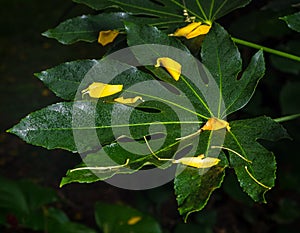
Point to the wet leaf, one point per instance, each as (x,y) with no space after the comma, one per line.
(65,78)
(205,10)
(242,138)
(293,21)
(193,187)
(86,27)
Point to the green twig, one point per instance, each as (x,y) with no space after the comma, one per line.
(287,118)
(266,49)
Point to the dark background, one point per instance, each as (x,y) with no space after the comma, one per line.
(23,51)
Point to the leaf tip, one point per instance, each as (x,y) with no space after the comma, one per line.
(46,33)
(63,182)
(8,130)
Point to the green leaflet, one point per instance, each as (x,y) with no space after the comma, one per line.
(223,94)
(86,27)
(202,9)
(167,15)
(190,83)
(243,139)
(193,187)
(293,21)
(65,78)
(222,58)
(110,160)
(52,127)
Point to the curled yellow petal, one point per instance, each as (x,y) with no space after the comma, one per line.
(198,162)
(186,30)
(216,124)
(172,66)
(201,30)
(99,90)
(134,220)
(192,30)
(128,100)
(106,37)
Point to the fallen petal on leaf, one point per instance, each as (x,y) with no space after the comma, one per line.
(201,30)
(106,37)
(134,220)
(192,30)
(198,162)
(172,66)
(99,90)
(216,124)
(186,30)
(128,100)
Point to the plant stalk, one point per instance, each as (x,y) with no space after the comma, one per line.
(287,118)
(266,49)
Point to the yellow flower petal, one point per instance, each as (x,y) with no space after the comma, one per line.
(216,124)
(172,66)
(134,220)
(201,30)
(106,37)
(198,162)
(192,30)
(128,100)
(99,90)
(186,30)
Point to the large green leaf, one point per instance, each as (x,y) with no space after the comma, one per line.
(166,15)
(172,109)
(205,10)
(293,21)
(242,138)
(119,219)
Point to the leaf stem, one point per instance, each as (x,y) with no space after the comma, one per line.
(287,118)
(252,177)
(233,151)
(266,49)
(101,168)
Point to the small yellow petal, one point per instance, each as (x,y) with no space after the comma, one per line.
(99,90)
(186,30)
(106,37)
(128,100)
(172,66)
(134,220)
(192,30)
(198,162)
(201,30)
(216,124)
